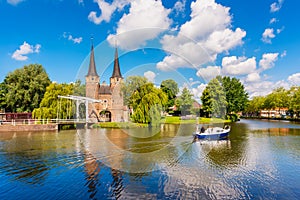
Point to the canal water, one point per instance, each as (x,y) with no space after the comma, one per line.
(260,160)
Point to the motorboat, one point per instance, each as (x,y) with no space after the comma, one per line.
(212,133)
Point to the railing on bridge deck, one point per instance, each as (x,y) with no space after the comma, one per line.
(43,121)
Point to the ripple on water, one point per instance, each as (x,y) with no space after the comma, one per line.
(251,165)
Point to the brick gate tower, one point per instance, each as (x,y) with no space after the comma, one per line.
(112,106)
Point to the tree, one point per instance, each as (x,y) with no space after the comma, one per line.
(185,101)
(255,105)
(294,105)
(79,89)
(2,96)
(277,99)
(214,99)
(25,88)
(236,96)
(170,88)
(131,84)
(147,102)
(51,105)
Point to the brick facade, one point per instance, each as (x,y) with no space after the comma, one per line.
(112,106)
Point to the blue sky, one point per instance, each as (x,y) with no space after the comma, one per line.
(189,41)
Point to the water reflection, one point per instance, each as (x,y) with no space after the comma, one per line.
(117,184)
(92,169)
(114,163)
(118,150)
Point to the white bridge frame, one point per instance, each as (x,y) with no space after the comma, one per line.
(79,100)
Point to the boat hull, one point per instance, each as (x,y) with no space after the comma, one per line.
(214,136)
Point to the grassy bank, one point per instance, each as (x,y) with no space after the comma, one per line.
(201,120)
(119,125)
(166,120)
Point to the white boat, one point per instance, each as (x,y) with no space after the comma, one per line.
(212,133)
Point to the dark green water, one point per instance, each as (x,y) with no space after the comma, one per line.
(260,160)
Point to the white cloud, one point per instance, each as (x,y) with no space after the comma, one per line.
(276,6)
(206,17)
(179,6)
(220,41)
(206,34)
(80,2)
(107,10)
(209,72)
(150,75)
(25,49)
(197,92)
(192,82)
(267,35)
(283,54)
(238,65)
(279,30)
(253,77)
(14,2)
(183,53)
(263,88)
(170,61)
(273,20)
(77,40)
(268,60)
(294,79)
(145,21)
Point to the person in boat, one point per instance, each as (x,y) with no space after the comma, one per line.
(202,130)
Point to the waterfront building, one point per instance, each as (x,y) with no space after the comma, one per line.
(111,108)
(274,113)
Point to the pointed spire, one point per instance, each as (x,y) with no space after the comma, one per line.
(92,66)
(116,72)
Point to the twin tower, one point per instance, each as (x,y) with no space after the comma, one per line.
(111,108)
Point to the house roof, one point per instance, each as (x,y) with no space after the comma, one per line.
(104,89)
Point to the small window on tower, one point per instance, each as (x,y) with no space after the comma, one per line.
(92,78)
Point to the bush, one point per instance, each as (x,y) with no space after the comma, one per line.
(232,117)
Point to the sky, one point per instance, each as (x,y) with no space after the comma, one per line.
(188,41)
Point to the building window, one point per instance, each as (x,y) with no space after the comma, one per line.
(105,103)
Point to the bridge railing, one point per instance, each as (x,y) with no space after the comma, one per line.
(41,121)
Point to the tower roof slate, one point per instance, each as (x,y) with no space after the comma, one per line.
(117,72)
(92,67)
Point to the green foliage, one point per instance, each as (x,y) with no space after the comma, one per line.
(170,87)
(294,103)
(79,89)
(24,88)
(232,117)
(236,96)
(147,102)
(51,106)
(255,105)
(185,101)
(131,84)
(214,99)
(224,96)
(279,98)
(2,96)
